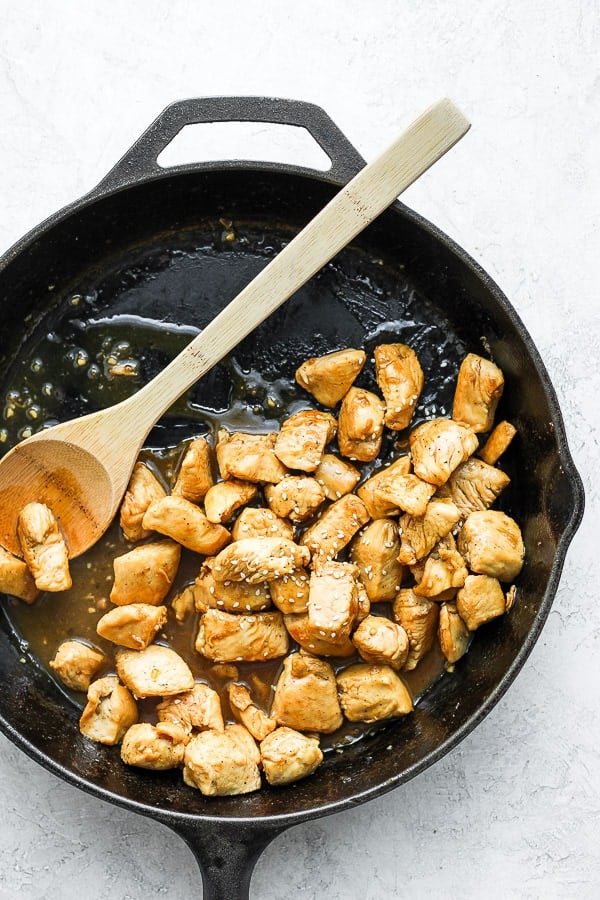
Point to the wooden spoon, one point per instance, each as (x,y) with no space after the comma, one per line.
(81,468)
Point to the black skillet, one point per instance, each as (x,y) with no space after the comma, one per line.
(148,255)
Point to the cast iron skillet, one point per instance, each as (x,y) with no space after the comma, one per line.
(147,242)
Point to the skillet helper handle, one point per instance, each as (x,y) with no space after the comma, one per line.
(140,161)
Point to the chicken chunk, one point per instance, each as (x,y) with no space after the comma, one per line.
(301,631)
(480,600)
(184,522)
(288,756)
(330,376)
(419,618)
(296,497)
(336,476)
(370,693)
(407,493)
(491,544)
(156,671)
(303,437)
(198,708)
(223,637)
(400,379)
(369,490)
(44,549)
(380,641)
(306,695)
(249,457)
(183,603)
(375,551)
(259,559)
(360,425)
(479,387)
(145,574)
(144,487)
(223,498)
(438,446)
(156,747)
(474,485)
(261,522)
(336,527)
(221,764)
(231,596)
(290,592)
(109,712)
(195,472)
(453,634)
(444,569)
(498,441)
(15,577)
(420,534)
(134,625)
(333,601)
(258,723)
(76,664)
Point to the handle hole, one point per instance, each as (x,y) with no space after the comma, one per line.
(252,141)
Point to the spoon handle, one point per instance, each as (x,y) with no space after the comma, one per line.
(367,195)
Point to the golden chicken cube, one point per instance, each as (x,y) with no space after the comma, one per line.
(375,551)
(259,559)
(419,618)
(377,507)
(76,664)
(335,527)
(420,534)
(296,497)
(290,592)
(222,764)
(479,387)
(329,377)
(306,696)
(370,693)
(336,476)
(44,549)
(474,485)
(491,544)
(249,457)
(287,756)
(145,574)
(408,493)
(498,441)
(480,600)
(258,723)
(144,487)
(134,625)
(360,425)
(223,498)
(156,747)
(199,708)
(380,641)
(261,522)
(184,522)
(15,577)
(109,712)
(156,671)
(400,379)
(453,634)
(230,596)
(333,601)
(300,630)
(195,476)
(224,637)
(183,603)
(303,437)
(438,447)
(443,569)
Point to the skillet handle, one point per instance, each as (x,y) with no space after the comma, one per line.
(140,162)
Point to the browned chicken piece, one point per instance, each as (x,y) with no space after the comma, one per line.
(290,593)
(306,696)
(223,637)
(336,476)
(480,600)
(296,497)
(76,663)
(444,569)
(333,601)
(335,527)
(479,387)
(419,618)
(157,747)
(183,604)
(249,457)
(453,634)
(156,671)
(400,379)
(491,544)
(261,522)
(511,596)
(259,559)
(134,625)
(364,604)
(438,446)
(303,437)
(360,425)
(301,631)
(408,493)
(184,522)
(44,549)
(498,441)
(369,693)
(380,641)
(109,712)
(231,596)
(144,487)
(222,764)
(420,534)
(258,723)
(330,376)
(474,485)
(375,551)
(195,472)
(15,577)
(145,574)
(223,498)
(288,756)
(369,490)
(199,708)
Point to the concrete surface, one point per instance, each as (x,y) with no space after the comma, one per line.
(514,810)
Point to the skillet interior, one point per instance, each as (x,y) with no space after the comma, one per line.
(156,250)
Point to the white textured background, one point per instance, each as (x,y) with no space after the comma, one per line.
(514,810)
